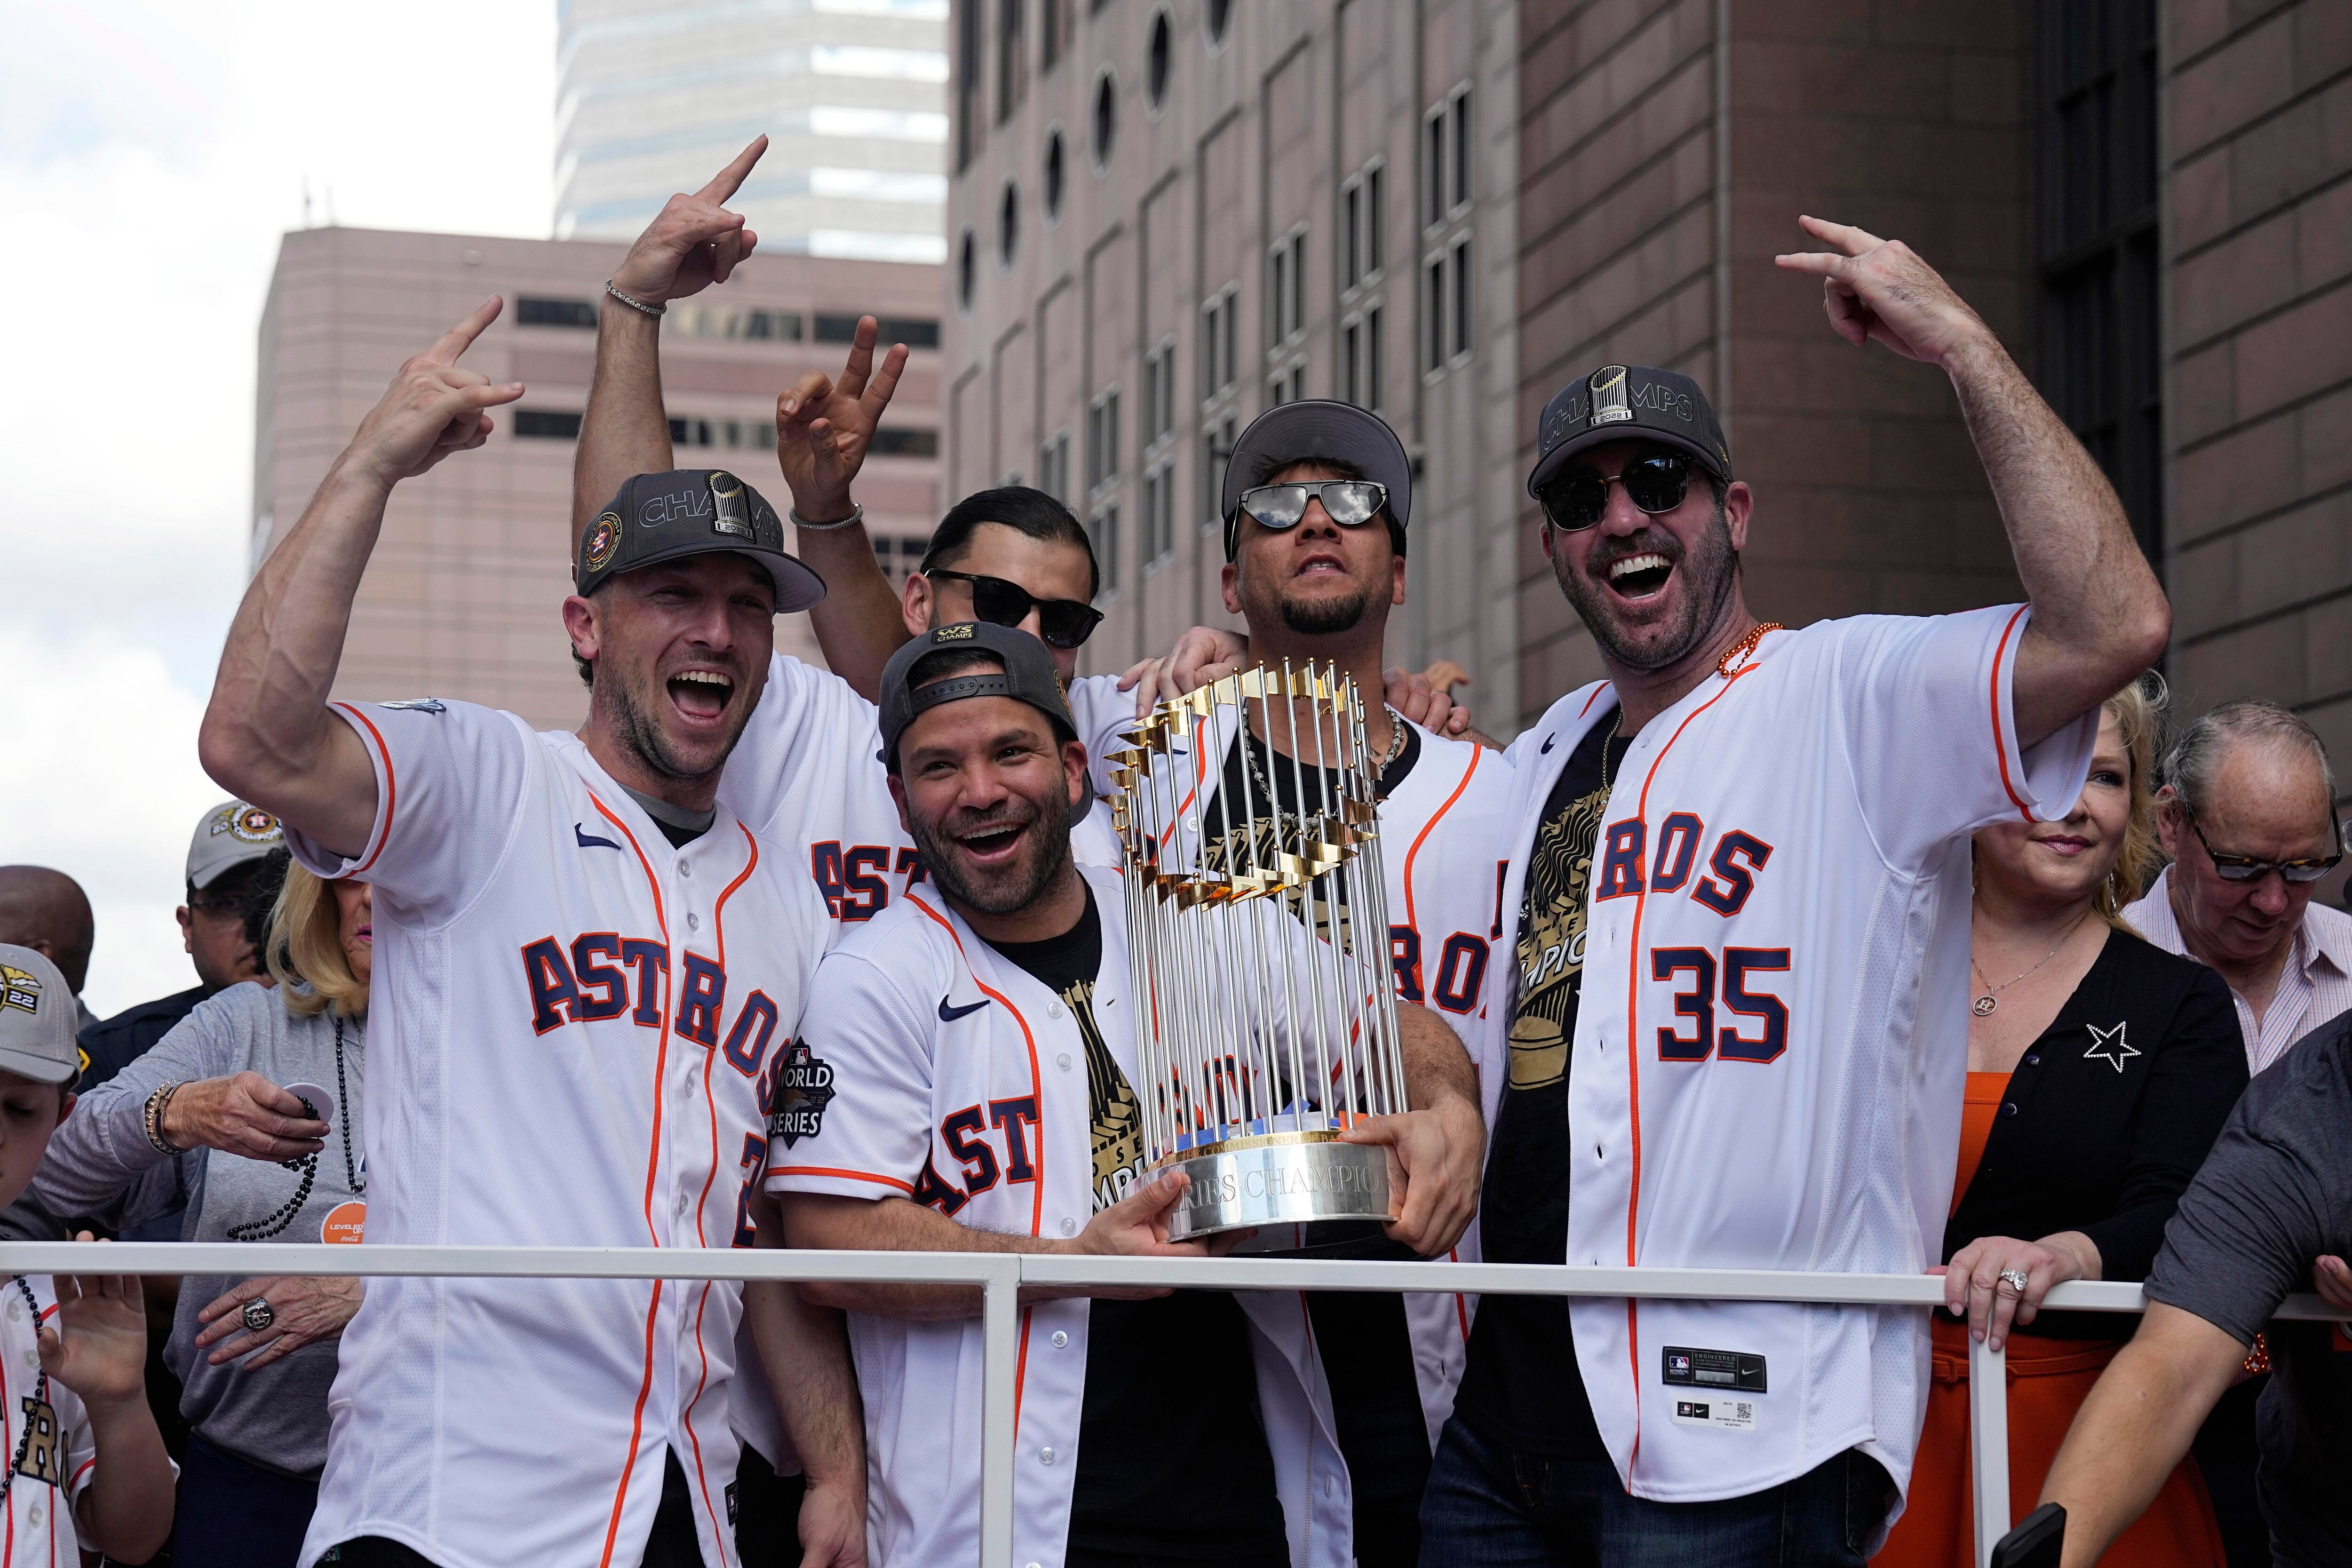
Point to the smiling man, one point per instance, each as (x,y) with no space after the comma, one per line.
(569,1052)
(1155,1429)
(1737,903)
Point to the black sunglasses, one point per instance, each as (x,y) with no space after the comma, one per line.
(1062,623)
(2246,869)
(1351,503)
(1576,500)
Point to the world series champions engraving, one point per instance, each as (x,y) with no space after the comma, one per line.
(1257,928)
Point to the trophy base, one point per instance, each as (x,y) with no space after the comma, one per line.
(1283,1180)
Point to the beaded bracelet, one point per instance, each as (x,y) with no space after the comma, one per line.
(856,515)
(156,1102)
(635,304)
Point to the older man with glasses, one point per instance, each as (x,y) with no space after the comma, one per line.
(2248,815)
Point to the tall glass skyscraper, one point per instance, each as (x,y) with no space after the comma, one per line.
(654,95)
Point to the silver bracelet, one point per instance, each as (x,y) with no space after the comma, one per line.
(656,311)
(856,515)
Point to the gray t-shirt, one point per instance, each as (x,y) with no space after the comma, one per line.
(2275,1193)
(101,1163)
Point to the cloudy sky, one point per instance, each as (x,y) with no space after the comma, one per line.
(151,155)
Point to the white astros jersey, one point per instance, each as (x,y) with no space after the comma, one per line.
(36,1525)
(808,774)
(937,1070)
(1445,834)
(565,1048)
(1770,1045)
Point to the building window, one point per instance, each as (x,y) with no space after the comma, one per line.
(1360,351)
(1156,63)
(1009,82)
(2100,363)
(546,423)
(1105,118)
(903,443)
(1215,17)
(1054,467)
(1216,450)
(1363,221)
(1218,364)
(915,332)
(968,67)
(1434,313)
(1159,515)
(1102,440)
(1446,161)
(1104,528)
(749,326)
(1055,165)
(1049,35)
(1287,385)
(1159,394)
(1008,226)
(1285,289)
(899,556)
(531,312)
(1448,328)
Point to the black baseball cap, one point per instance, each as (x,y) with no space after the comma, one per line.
(1028,676)
(692,512)
(1315,427)
(1628,401)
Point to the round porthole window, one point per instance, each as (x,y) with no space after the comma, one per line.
(1105,117)
(1056,158)
(1008,225)
(1217,16)
(1156,65)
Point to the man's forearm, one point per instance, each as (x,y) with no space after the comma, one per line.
(2098,612)
(806,1354)
(860,624)
(625,431)
(2135,1426)
(1435,1065)
(895,1225)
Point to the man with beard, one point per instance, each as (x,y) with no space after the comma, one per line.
(1738,898)
(573,1054)
(966,1084)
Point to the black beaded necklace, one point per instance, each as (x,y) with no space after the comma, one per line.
(40,1397)
(263,1229)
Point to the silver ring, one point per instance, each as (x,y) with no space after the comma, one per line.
(2015,1279)
(258,1314)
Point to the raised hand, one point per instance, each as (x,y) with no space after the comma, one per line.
(96,1343)
(823,425)
(434,407)
(694,241)
(1874,287)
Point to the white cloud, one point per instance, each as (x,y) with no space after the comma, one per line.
(151,155)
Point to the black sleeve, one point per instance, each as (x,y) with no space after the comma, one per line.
(2250,1225)
(2197,1072)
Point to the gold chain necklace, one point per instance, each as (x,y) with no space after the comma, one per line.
(1984,1004)
(1249,754)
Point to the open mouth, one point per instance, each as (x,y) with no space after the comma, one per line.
(1640,576)
(1322,565)
(700,693)
(995,844)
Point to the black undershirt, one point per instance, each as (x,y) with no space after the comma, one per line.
(678,824)
(1520,1386)
(1173,1458)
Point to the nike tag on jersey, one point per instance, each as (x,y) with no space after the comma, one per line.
(949,1015)
(1713,1368)
(1731,1415)
(589,840)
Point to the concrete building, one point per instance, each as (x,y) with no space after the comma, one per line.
(462,596)
(652,95)
(1165,216)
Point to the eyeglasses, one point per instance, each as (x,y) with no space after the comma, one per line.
(1350,503)
(1575,501)
(1061,623)
(2246,869)
(216,906)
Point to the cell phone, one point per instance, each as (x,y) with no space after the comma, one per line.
(2035,1542)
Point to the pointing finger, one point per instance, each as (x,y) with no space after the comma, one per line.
(728,180)
(460,338)
(1844,236)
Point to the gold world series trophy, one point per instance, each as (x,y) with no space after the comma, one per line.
(1257,928)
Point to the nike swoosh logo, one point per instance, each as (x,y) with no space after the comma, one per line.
(949,1015)
(1547,745)
(589,840)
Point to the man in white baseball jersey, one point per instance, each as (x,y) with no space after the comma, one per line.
(1739,899)
(571,1050)
(965,1083)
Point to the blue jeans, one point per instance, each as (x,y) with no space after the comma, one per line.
(1488,1506)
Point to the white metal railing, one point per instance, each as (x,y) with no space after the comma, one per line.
(1000,1275)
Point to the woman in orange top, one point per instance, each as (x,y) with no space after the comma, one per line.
(2100,1071)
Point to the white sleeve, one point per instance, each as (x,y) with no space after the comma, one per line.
(1924,702)
(809,723)
(857,1122)
(449,780)
(1104,713)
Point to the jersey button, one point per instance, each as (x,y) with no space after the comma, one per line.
(1054,1011)
(1062,1061)
(1069,1227)
(2034,1059)
(2009,1108)
(693,921)
(1061,1340)
(1044,1456)
(686,868)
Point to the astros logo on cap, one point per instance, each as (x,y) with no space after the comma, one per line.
(1608,405)
(18,989)
(254,825)
(603,538)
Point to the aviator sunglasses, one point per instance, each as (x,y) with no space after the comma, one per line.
(1061,623)
(2246,869)
(1351,503)
(1575,501)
